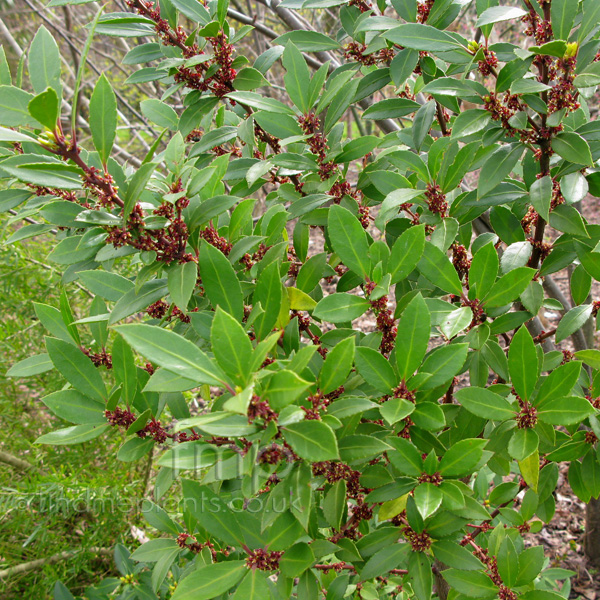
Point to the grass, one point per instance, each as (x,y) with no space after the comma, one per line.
(79,496)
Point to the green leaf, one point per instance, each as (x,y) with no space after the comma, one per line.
(254,586)
(523,443)
(337,365)
(103,117)
(568,219)
(589,357)
(249,79)
(297,77)
(152,550)
(181,282)
(406,252)
(212,511)
(462,457)
(475,584)
(284,388)
(220,282)
(496,14)
(530,470)
(76,368)
(193,10)
(210,581)
(420,575)
(53,321)
(334,504)
(509,287)
(13,107)
(561,381)
(392,108)
(384,561)
(34,365)
(72,435)
(523,363)
(422,123)
(136,300)
(541,595)
(268,294)
(360,447)
(307,41)
(443,364)
(135,187)
(497,167)
(455,321)
(469,122)
(483,271)
(456,556)
(540,196)
(172,352)
(110,286)
(74,407)
(485,403)
(562,16)
(423,37)
(375,369)
(45,108)
(355,149)
(341,308)
(349,240)
(411,345)
(296,559)
(261,103)
(312,440)
(406,458)
(44,63)
(572,147)
(565,411)
(428,499)
(396,409)
(231,346)
(437,268)
(46,174)
(159,113)
(572,321)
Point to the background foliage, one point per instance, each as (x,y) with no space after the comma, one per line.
(341,255)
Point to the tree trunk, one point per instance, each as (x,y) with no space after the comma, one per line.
(592,531)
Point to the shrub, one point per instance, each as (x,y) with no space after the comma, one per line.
(354,410)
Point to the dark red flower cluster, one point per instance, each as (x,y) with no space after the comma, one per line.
(336,471)
(263,560)
(419,542)
(423,10)
(99,359)
(435,479)
(436,200)
(260,409)
(210,235)
(460,260)
(527,417)
(489,62)
(119,417)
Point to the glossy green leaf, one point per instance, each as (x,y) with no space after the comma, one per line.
(485,403)
(103,117)
(172,352)
(341,308)
(349,240)
(523,363)
(220,282)
(438,269)
(210,581)
(312,440)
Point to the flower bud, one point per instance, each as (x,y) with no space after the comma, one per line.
(473,46)
(571,50)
